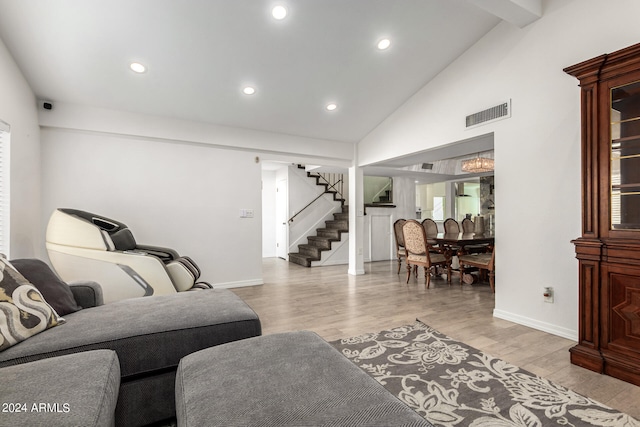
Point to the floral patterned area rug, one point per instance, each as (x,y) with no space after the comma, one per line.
(453,384)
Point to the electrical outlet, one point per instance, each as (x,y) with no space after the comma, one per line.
(548,294)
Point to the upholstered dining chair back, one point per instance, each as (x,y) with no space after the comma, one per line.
(451,226)
(430,227)
(397,230)
(468,226)
(400,250)
(415,238)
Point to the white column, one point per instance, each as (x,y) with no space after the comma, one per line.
(450,208)
(356,217)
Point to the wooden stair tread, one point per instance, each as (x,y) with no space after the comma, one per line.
(303,260)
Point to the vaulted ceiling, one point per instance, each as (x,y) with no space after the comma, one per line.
(200,55)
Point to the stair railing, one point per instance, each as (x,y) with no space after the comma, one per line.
(333,181)
(387,186)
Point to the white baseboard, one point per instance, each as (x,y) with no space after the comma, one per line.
(238,284)
(570,334)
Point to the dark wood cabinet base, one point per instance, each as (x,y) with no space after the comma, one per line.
(608,363)
(621,367)
(587,358)
(608,250)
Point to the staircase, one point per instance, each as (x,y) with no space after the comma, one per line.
(384,198)
(331,232)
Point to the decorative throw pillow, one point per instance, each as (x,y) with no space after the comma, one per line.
(23,310)
(56,292)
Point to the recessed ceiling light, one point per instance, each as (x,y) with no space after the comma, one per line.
(249,90)
(279,12)
(331,107)
(137,67)
(384,44)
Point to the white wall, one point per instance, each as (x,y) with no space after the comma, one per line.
(269,224)
(537,150)
(186,197)
(404,197)
(18,108)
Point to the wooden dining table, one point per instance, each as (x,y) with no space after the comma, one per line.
(463,239)
(456,243)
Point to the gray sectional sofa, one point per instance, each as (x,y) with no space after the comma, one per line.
(193,357)
(149,335)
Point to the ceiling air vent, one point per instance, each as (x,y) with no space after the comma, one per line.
(499,112)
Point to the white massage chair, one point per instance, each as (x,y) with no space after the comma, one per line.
(85,246)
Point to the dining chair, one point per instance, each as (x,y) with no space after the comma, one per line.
(468,226)
(482,261)
(451,226)
(415,243)
(430,227)
(400,250)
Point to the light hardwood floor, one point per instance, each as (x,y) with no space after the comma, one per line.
(335,305)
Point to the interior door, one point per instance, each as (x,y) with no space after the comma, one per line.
(381,239)
(282,233)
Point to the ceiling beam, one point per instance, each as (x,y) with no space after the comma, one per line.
(465,147)
(518,12)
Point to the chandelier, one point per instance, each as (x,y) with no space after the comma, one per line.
(479,164)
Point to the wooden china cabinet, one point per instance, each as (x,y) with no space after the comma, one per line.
(609,249)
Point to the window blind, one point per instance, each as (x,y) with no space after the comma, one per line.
(5,135)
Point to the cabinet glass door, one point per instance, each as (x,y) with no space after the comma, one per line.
(625,157)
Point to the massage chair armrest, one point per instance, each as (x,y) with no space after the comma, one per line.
(165,254)
(87,293)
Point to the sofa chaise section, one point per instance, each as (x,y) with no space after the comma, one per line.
(79,389)
(150,335)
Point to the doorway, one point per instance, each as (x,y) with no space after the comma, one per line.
(282,232)
(381,245)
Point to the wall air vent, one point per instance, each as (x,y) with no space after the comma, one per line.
(499,112)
